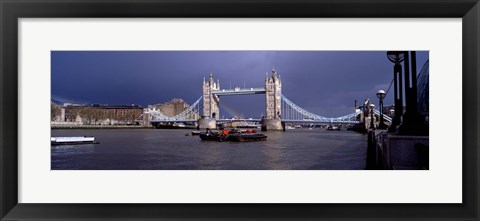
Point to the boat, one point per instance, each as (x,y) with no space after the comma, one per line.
(235,135)
(195,132)
(180,125)
(360,127)
(246,125)
(55,141)
(333,127)
(210,135)
(246,137)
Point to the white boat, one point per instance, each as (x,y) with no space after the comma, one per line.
(246,125)
(179,125)
(72,140)
(332,127)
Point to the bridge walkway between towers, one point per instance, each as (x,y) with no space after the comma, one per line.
(238,91)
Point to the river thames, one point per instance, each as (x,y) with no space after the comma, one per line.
(172,149)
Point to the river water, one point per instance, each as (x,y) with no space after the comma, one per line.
(171,149)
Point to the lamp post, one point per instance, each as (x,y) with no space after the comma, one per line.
(397,57)
(413,122)
(381,95)
(371,107)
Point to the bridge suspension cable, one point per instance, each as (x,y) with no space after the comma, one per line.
(291,111)
(385,117)
(192,112)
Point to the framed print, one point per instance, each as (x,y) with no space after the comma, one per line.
(239,110)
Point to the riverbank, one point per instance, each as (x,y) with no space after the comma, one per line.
(53,127)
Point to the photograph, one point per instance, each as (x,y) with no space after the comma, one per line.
(239,110)
(228,110)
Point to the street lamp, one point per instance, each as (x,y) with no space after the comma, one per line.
(381,95)
(413,122)
(396,57)
(371,107)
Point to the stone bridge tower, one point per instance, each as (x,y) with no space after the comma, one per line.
(273,102)
(210,101)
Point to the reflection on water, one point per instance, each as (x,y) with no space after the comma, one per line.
(162,149)
(274,153)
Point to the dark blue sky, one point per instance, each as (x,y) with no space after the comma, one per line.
(322,82)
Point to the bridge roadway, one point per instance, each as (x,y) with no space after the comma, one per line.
(193,120)
(239,91)
(257,120)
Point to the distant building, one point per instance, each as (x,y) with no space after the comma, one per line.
(422,89)
(99,114)
(172,107)
(389,110)
(57,112)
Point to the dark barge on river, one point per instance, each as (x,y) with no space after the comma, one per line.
(232,135)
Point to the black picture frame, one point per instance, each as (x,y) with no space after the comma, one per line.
(11,10)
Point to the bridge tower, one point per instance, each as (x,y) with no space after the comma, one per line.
(273,102)
(210,101)
(211,112)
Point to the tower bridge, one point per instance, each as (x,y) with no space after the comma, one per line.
(272,91)
(278,109)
